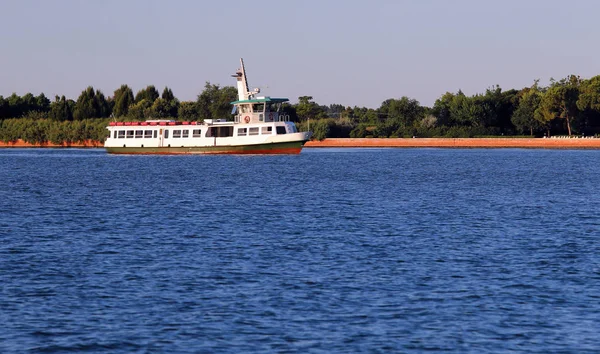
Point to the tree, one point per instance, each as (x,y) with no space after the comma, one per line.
(401,113)
(306,109)
(3,108)
(42,103)
(91,104)
(215,101)
(149,94)
(441,109)
(589,104)
(187,111)
(524,118)
(171,103)
(160,109)
(167,94)
(123,98)
(140,110)
(15,106)
(60,110)
(560,100)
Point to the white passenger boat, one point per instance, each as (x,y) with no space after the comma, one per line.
(259,126)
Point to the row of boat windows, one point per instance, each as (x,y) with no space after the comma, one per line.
(197,133)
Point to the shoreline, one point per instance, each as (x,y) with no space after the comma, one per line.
(534,143)
(79,144)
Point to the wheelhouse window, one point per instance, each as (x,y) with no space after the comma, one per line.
(196,133)
(139,134)
(280,130)
(185,133)
(176,133)
(148,134)
(121,134)
(129,134)
(267,130)
(242,131)
(253,131)
(258,107)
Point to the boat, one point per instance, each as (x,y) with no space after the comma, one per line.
(259,126)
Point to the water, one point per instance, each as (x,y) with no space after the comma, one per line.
(334,250)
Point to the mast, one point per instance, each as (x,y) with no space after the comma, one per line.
(242,83)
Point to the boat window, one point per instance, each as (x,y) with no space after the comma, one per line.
(242,131)
(186,133)
(121,134)
(267,130)
(253,131)
(245,108)
(280,130)
(155,134)
(129,134)
(139,134)
(259,107)
(166,134)
(219,132)
(176,133)
(147,133)
(114,135)
(196,133)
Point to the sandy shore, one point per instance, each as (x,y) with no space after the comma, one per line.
(538,143)
(21,144)
(552,143)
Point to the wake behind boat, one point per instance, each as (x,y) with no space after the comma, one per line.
(259,127)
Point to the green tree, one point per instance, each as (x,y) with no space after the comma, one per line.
(15,106)
(307,109)
(42,103)
(123,98)
(524,118)
(149,94)
(560,101)
(91,104)
(140,110)
(402,113)
(187,111)
(589,96)
(167,94)
(62,109)
(3,108)
(441,109)
(215,101)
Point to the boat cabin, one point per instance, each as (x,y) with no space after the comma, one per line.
(259,110)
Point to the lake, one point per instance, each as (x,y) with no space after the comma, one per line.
(332,250)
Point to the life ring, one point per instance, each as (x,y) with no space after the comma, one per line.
(247,119)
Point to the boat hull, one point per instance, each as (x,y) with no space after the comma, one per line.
(289,148)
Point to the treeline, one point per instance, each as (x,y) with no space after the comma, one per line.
(564,107)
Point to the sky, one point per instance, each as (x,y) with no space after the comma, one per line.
(354,53)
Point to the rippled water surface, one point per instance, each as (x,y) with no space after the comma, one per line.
(333,250)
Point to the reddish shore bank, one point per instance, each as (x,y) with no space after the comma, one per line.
(20,144)
(552,143)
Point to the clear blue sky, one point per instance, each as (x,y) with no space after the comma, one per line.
(347,52)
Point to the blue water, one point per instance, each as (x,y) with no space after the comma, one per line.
(333,250)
